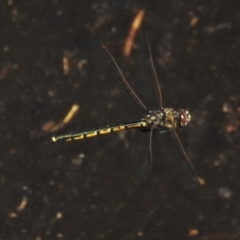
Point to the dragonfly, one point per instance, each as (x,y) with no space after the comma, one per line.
(154,121)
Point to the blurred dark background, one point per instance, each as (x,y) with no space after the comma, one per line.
(86,189)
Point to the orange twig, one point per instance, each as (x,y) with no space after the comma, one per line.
(132,33)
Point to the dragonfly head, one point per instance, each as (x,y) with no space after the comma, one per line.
(184,117)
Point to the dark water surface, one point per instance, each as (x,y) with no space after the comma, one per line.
(50,191)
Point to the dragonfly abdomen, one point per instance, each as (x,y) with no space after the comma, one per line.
(100,131)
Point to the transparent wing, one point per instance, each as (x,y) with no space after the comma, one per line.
(169,158)
(137,150)
(142,162)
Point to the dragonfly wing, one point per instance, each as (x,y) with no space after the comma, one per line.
(168,156)
(139,154)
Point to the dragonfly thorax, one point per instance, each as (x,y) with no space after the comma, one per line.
(167,118)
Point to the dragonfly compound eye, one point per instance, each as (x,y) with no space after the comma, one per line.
(184,118)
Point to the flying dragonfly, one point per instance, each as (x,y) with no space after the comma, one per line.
(153,121)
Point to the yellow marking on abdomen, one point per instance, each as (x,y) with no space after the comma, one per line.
(119,128)
(91,134)
(80,137)
(104,131)
(137,125)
